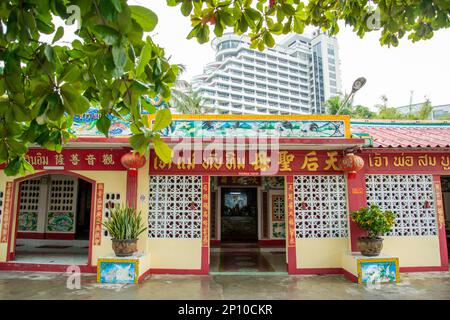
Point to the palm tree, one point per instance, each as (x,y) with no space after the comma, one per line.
(184,99)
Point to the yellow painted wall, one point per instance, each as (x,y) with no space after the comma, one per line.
(115,181)
(320,252)
(420,251)
(175,253)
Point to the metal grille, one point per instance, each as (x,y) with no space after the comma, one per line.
(320,206)
(175,207)
(410,197)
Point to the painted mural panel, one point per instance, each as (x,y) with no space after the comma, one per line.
(117,271)
(60,221)
(28,221)
(255,128)
(378,270)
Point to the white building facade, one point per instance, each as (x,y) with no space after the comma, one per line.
(296,76)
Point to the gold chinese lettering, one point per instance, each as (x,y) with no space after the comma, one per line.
(107,159)
(90,158)
(262,161)
(74,159)
(331,161)
(284,160)
(59,159)
(311,162)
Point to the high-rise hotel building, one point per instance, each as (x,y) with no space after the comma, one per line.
(296,76)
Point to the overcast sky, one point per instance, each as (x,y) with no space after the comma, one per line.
(423,67)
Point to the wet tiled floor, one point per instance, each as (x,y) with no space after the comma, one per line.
(28,285)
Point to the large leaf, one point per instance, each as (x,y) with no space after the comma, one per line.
(103,124)
(163,119)
(73,101)
(162,150)
(145,17)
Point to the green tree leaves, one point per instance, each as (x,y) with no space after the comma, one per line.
(110,66)
(417,19)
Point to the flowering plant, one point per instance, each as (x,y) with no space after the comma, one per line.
(374,220)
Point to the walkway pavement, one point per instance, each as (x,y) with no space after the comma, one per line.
(31,285)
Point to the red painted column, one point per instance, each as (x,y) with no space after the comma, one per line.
(441,222)
(290,234)
(132,185)
(356,193)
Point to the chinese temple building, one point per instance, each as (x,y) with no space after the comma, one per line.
(272,183)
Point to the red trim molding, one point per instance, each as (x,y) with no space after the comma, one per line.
(30,235)
(350,276)
(177,271)
(272,242)
(290,225)
(423,269)
(13,266)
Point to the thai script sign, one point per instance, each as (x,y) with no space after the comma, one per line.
(6,211)
(248,162)
(423,162)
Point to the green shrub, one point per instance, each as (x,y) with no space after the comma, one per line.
(375,221)
(124,224)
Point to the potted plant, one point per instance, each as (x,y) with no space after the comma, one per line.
(377,223)
(124,226)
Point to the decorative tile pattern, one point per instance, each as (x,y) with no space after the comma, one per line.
(410,197)
(320,206)
(30,191)
(175,207)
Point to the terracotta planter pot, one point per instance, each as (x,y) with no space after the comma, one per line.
(124,248)
(370,247)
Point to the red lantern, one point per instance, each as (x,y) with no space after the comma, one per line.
(133,160)
(351,163)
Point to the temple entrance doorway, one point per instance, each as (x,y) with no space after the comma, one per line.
(53,220)
(247,225)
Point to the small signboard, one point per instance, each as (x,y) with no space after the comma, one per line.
(117,271)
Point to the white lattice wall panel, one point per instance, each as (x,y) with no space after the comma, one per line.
(175,207)
(320,206)
(410,197)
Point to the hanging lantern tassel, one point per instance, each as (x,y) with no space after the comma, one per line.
(351,164)
(133,161)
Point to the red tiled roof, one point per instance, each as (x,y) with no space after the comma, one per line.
(404,135)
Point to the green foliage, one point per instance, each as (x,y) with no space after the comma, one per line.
(374,220)
(264,18)
(124,223)
(43,85)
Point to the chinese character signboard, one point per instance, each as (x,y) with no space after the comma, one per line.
(205,209)
(77,159)
(98,214)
